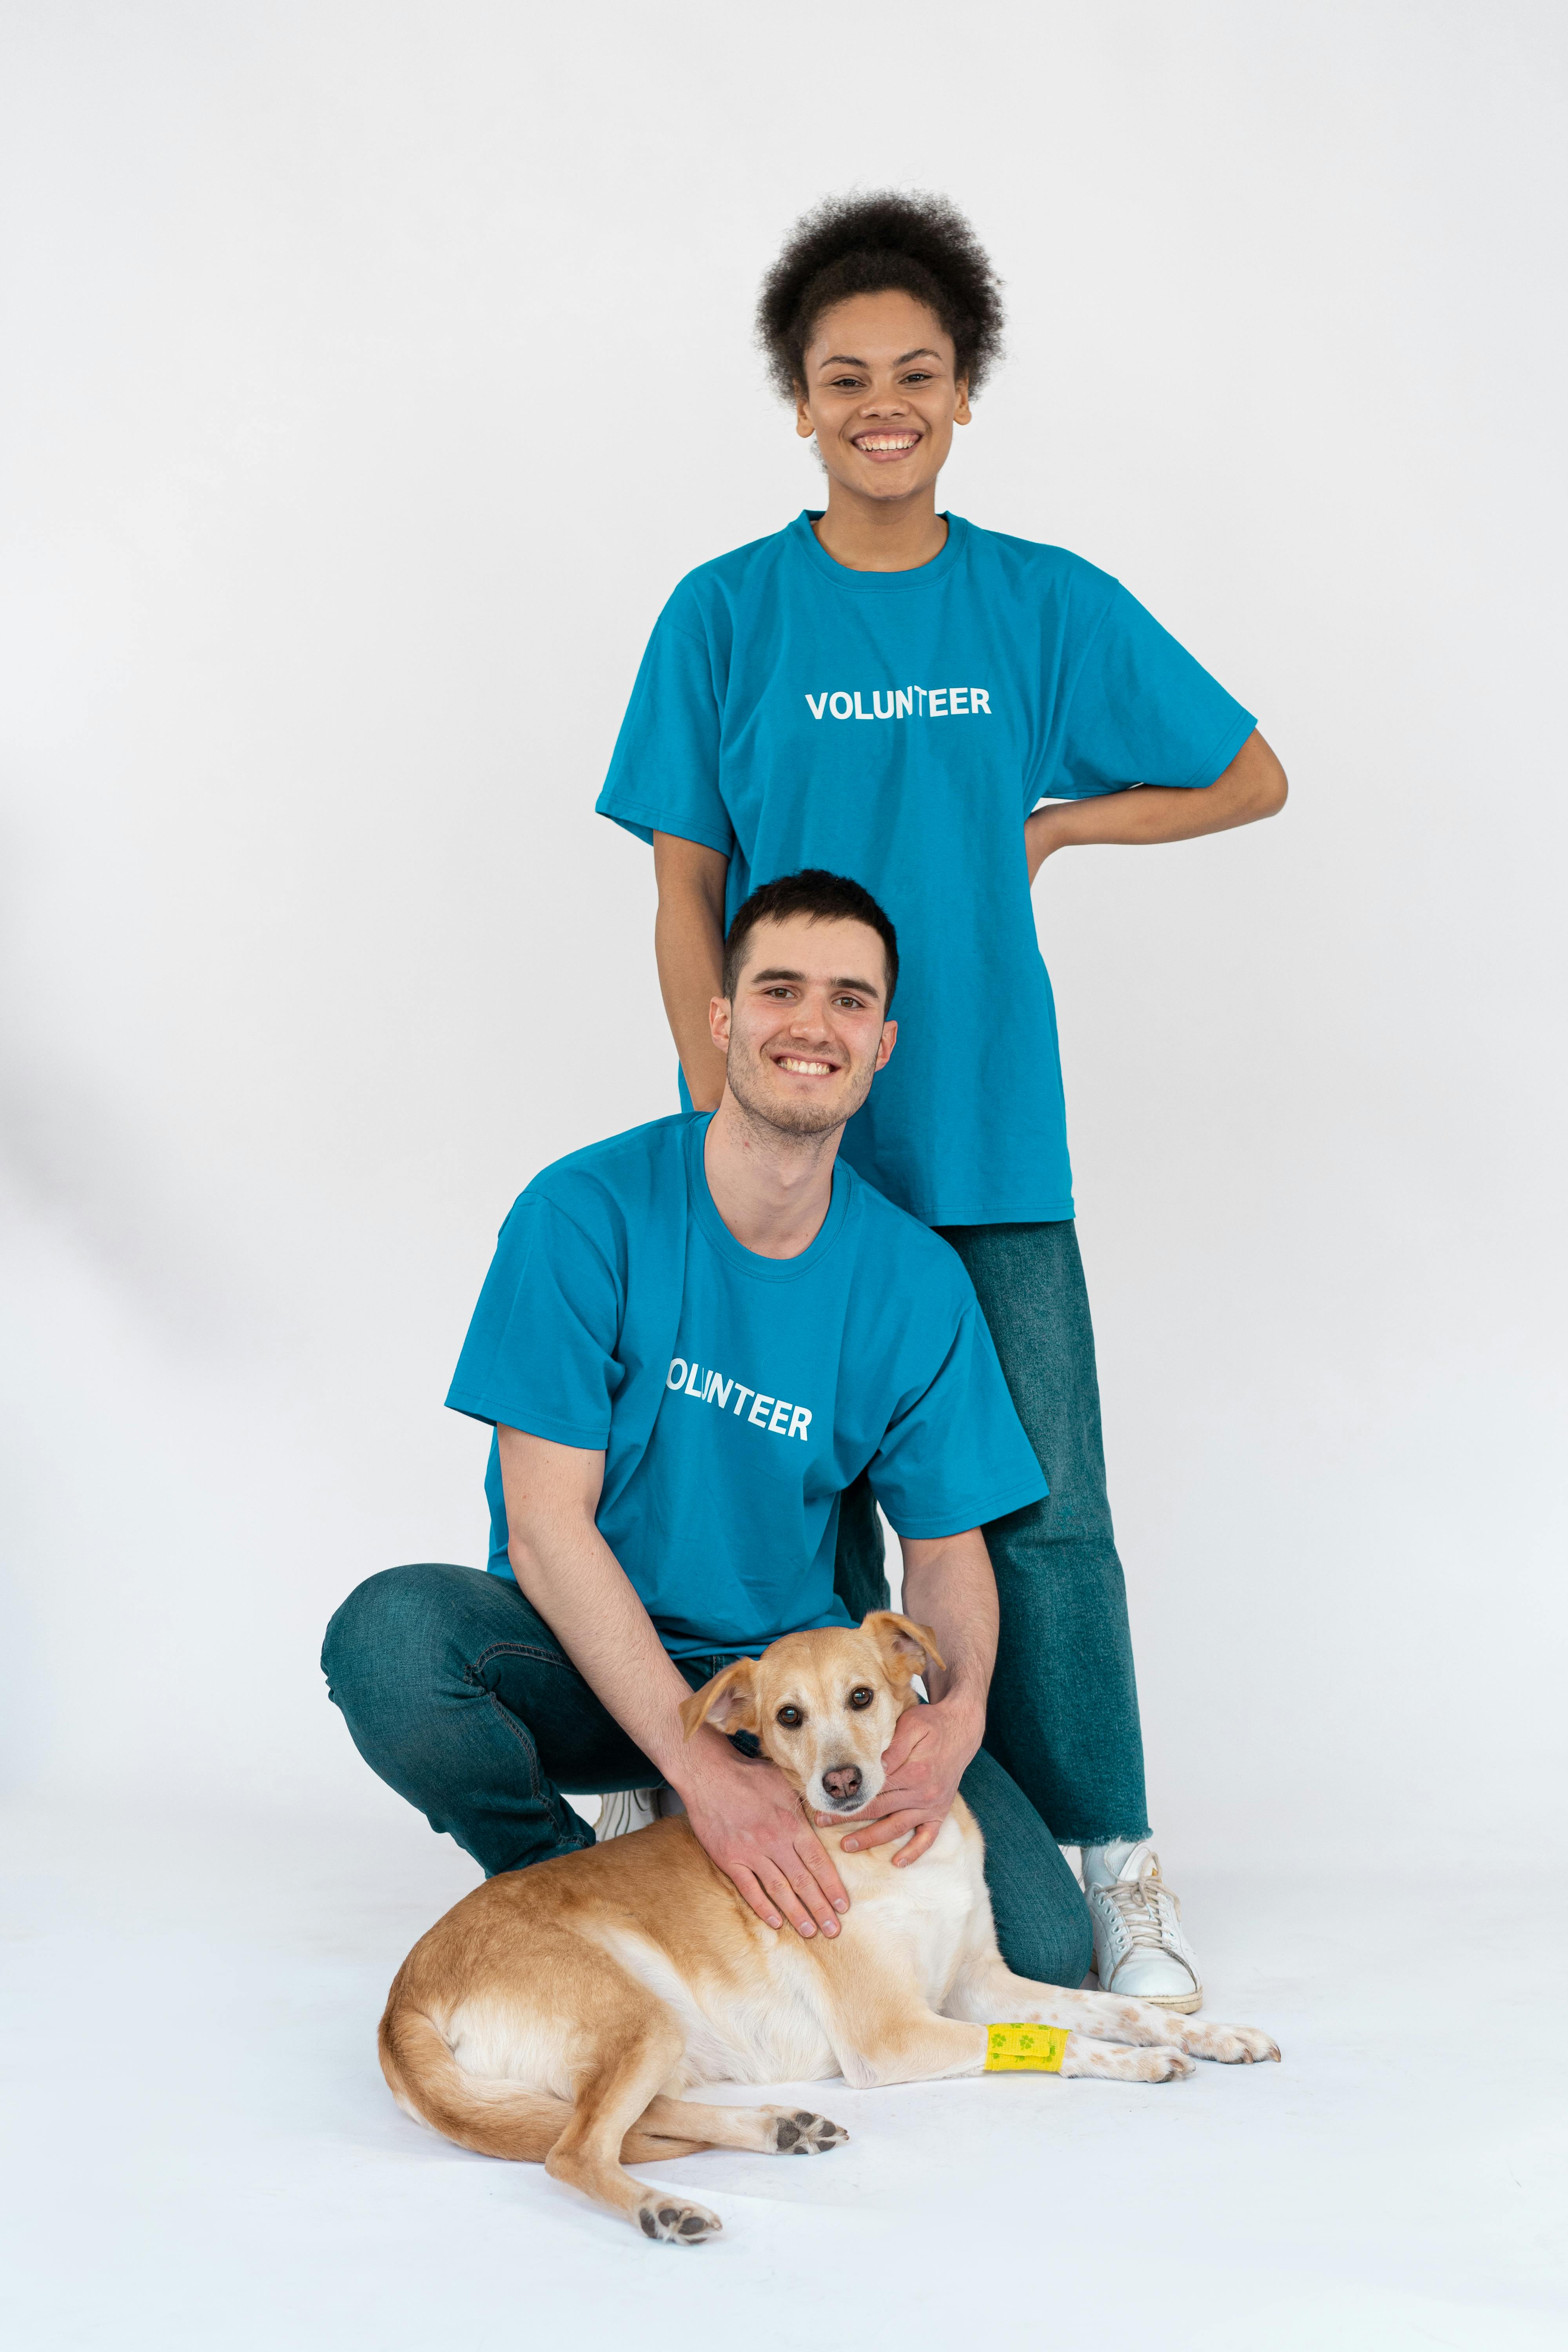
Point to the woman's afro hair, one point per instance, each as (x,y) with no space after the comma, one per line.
(865,244)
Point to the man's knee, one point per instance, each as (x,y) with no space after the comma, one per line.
(393,1638)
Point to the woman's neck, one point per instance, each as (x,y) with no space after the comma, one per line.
(880,535)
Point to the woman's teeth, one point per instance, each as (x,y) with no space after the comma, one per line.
(873,443)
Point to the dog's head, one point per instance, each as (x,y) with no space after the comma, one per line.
(823,1705)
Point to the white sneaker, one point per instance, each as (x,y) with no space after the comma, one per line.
(1138,1947)
(626,1809)
(622,1810)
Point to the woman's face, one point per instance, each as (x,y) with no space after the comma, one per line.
(880,395)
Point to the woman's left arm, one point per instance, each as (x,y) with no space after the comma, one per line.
(1253,786)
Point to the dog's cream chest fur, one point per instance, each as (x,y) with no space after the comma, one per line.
(924,1911)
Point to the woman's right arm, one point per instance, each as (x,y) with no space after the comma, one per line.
(689,942)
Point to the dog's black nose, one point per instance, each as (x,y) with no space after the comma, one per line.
(843,1780)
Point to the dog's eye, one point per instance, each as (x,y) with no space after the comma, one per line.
(862,1697)
(791,1717)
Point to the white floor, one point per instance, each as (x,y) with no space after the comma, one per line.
(201,2151)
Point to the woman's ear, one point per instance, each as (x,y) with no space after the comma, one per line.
(729,1702)
(908,1649)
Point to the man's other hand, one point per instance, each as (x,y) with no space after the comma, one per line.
(927,1756)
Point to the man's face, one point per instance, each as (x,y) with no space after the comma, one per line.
(880,395)
(806,1033)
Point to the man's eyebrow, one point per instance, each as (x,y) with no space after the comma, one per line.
(844,358)
(777,972)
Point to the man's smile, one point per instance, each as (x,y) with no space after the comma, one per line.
(804,1068)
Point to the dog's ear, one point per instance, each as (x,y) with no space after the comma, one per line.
(908,1649)
(729,1702)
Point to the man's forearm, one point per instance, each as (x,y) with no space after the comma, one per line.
(1253,786)
(568,1571)
(688,946)
(949,1586)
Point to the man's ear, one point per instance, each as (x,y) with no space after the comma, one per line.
(719,1013)
(908,1649)
(729,1702)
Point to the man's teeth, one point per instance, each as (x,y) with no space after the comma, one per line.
(807,1069)
(886,441)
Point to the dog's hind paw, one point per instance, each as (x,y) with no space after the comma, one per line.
(678,2225)
(798,2133)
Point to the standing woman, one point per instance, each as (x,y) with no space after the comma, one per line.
(989,674)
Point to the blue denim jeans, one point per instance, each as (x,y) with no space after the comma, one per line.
(1063,1718)
(457,1693)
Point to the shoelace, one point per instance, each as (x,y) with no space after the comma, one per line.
(1136,1902)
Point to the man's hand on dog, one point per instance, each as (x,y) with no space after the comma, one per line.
(925,1759)
(748,1820)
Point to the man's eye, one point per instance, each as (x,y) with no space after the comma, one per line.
(791,1717)
(862,1697)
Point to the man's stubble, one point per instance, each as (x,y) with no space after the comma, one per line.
(800,1121)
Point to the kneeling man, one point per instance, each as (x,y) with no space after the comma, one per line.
(692,1339)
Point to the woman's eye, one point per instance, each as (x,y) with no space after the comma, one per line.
(790,1716)
(858,1698)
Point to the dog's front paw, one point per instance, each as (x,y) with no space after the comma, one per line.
(1160,2066)
(798,2133)
(1159,2063)
(678,2225)
(1232,2045)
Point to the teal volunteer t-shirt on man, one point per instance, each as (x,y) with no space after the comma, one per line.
(621,1314)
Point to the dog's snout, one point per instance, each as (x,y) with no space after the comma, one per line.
(842,1780)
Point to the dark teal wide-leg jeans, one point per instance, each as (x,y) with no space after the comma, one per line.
(457,1694)
(1063,1718)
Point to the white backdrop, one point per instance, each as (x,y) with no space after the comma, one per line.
(374,371)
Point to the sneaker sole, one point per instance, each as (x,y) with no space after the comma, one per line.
(1184,2003)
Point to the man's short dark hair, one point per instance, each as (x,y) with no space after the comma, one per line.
(822,897)
(918,245)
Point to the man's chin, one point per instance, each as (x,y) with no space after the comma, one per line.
(797,1114)
(794,1116)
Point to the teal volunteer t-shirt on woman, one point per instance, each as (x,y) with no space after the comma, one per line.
(899,727)
(734,1396)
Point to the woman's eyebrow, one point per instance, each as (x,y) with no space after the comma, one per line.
(843,359)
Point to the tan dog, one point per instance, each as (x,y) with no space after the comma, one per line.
(558,2013)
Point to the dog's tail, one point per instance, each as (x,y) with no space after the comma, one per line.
(488,2114)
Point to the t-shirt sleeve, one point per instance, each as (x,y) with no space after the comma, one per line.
(956,1454)
(664,772)
(1140,710)
(541,1349)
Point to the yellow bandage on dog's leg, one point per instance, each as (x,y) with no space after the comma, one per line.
(1025,2049)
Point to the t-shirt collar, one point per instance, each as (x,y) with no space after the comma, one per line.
(877,583)
(734,1253)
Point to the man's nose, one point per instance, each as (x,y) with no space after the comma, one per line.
(842,1780)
